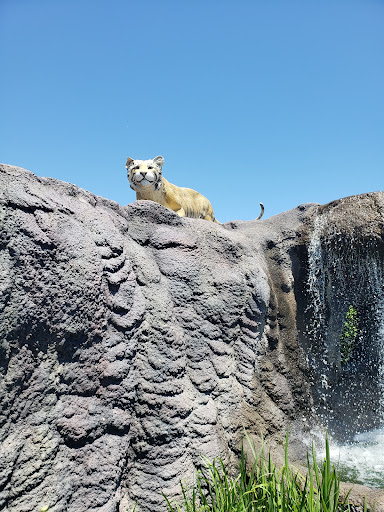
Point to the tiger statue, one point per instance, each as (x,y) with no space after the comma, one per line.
(146,179)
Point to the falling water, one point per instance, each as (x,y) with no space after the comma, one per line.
(349,398)
(316,329)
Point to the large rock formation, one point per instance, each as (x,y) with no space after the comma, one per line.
(133,341)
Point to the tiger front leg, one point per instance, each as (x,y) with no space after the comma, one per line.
(181,212)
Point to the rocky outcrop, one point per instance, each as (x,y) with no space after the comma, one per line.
(134,341)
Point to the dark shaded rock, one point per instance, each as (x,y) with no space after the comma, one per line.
(132,341)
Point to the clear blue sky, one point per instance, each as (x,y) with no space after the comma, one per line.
(247,100)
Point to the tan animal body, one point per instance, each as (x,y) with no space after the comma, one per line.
(146,179)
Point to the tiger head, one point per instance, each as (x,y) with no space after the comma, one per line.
(145,174)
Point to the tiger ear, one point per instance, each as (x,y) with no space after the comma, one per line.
(159,160)
(129,161)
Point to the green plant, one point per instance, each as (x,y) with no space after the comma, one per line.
(348,335)
(263,487)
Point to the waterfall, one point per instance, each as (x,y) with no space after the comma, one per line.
(318,355)
(344,272)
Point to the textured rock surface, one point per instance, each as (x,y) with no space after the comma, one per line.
(133,341)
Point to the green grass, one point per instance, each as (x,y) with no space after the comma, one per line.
(263,487)
(349,335)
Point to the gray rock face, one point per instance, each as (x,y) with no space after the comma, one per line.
(133,341)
